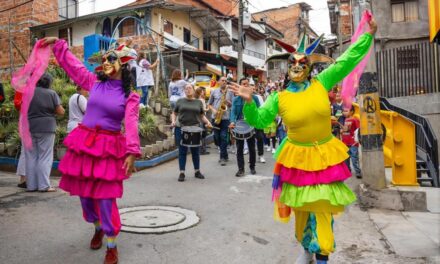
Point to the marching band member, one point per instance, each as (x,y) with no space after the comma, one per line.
(219,103)
(188,112)
(310,167)
(237,114)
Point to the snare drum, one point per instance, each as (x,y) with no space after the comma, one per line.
(242,130)
(191,136)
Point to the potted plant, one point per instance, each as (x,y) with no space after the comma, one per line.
(60,134)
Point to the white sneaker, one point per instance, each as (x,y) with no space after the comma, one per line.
(141,105)
(262,159)
(245,152)
(273,151)
(305,258)
(268,148)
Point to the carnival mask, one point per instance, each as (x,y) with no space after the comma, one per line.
(298,67)
(300,60)
(110,64)
(113,60)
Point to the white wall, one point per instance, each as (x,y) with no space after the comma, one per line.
(94,6)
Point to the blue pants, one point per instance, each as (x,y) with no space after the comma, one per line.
(221,137)
(184,150)
(144,97)
(354,157)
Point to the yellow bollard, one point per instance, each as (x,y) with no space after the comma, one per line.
(404,152)
(399,147)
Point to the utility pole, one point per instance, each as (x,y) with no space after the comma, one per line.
(240,41)
(338,13)
(373,170)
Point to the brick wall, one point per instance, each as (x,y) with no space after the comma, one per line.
(284,20)
(22,17)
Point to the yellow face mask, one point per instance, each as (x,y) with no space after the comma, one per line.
(299,67)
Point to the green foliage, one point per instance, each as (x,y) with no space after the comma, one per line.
(13,140)
(147,123)
(162,98)
(60,134)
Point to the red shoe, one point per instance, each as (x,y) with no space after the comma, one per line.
(96,242)
(111,257)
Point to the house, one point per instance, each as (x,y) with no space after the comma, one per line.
(16,17)
(192,22)
(407,63)
(257,47)
(291,21)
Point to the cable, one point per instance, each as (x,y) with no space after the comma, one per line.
(7,9)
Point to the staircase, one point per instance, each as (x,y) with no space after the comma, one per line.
(427,163)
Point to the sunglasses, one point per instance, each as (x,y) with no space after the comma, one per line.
(112,58)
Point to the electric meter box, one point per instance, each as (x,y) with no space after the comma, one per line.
(247,20)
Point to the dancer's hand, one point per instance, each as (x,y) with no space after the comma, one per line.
(48,41)
(373,26)
(129,164)
(244,92)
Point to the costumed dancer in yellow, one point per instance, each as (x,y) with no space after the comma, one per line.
(310,167)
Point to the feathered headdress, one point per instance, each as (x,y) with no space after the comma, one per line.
(309,50)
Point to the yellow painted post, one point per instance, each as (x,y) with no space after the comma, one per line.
(404,152)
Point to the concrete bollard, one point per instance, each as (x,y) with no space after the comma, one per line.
(149,151)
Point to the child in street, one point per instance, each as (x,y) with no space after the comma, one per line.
(337,117)
(348,132)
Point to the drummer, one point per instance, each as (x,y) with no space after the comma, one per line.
(188,112)
(237,115)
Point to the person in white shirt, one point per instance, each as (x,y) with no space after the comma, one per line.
(77,108)
(144,76)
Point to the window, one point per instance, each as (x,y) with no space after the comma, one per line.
(187,35)
(408,58)
(67,9)
(167,26)
(66,34)
(195,42)
(404,11)
(270,65)
(127,28)
(207,43)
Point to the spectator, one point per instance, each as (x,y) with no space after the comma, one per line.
(176,87)
(201,94)
(21,166)
(77,108)
(337,116)
(144,77)
(349,130)
(44,106)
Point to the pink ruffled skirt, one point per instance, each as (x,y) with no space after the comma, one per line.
(92,166)
(297,177)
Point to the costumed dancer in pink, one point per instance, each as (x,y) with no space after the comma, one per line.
(99,157)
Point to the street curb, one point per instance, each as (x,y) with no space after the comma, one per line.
(141,164)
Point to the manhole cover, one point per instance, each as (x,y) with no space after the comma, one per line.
(156,219)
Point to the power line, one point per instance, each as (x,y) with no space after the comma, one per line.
(7,9)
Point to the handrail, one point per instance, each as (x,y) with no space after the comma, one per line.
(426,139)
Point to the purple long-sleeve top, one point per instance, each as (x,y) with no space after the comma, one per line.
(107,105)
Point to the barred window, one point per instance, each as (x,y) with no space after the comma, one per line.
(67,9)
(408,58)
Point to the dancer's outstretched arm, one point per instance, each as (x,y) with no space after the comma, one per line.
(348,60)
(257,117)
(74,68)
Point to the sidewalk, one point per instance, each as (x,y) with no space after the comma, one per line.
(236,223)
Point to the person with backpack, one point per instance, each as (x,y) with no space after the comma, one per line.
(77,108)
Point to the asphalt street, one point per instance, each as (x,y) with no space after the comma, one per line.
(236,223)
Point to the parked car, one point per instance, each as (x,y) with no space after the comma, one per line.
(206,79)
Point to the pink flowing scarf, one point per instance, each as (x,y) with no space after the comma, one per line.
(351,82)
(24,81)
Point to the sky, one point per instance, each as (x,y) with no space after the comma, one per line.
(319,17)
